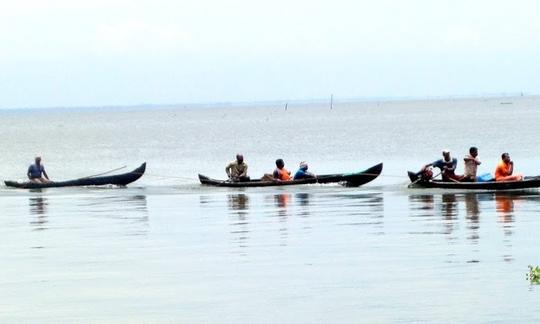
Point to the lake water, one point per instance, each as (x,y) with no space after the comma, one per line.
(166,249)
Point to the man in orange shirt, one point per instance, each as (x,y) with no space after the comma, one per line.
(505,168)
(280,173)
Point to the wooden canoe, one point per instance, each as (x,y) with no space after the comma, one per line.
(528,182)
(118,180)
(347,179)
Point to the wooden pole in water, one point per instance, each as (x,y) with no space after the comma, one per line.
(331,101)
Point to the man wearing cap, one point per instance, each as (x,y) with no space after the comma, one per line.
(447,165)
(302,172)
(237,170)
(36,172)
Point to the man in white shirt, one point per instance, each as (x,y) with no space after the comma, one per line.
(471,165)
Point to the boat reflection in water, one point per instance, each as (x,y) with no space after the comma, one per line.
(239,207)
(504,204)
(445,208)
(130,212)
(472,213)
(448,205)
(238,202)
(38,207)
(302,199)
(282,201)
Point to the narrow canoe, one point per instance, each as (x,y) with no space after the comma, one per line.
(347,179)
(528,182)
(118,180)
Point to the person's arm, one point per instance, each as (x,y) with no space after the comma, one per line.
(244,174)
(432,164)
(29,173)
(275,174)
(511,169)
(299,174)
(228,170)
(477,161)
(454,165)
(45,174)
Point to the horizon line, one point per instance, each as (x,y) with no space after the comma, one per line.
(331,97)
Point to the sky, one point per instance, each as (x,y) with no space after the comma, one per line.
(62,53)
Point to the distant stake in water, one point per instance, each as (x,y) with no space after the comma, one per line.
(331,101)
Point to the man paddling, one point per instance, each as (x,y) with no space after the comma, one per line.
(447,165)
(505,170)
(237,170)
(36,172)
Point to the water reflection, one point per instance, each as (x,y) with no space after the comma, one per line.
(239,206)
(38,208)
(303,200)
(505,207)
(131,210)
(284,214)
(449,213)
(445,209)
(238,202)
(472,210)
(449,206)
(364,209)
(282,201)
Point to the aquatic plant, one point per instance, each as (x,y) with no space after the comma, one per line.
(534,275)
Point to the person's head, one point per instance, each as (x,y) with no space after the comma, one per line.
(38,159)
(239,158)
(279,163)
(446,154)
(473,151)
(505,157)
(303,165)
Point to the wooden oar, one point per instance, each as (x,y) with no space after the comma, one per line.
(103,173)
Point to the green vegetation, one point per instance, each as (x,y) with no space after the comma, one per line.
(534,275)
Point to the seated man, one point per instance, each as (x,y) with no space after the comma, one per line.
(237,170)
(447,165)
(505,168)
(36,172)
(471,165)
(280,173)
(302,172)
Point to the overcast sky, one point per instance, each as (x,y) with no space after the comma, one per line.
(88,53)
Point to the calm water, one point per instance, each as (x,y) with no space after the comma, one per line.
(166,249)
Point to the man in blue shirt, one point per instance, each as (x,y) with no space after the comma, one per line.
(447,165)
(302,172)
(36,172)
